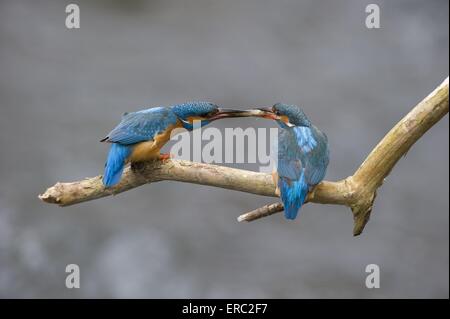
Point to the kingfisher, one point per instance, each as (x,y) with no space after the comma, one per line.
(303,155)
(140,135)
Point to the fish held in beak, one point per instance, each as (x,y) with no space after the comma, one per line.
(265,112)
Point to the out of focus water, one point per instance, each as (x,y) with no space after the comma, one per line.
(61,90)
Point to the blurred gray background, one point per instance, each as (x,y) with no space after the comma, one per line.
(62,90)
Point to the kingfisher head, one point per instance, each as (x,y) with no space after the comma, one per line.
(204,112)
(284,114)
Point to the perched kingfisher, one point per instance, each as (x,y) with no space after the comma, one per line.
(140,135)
(303,155)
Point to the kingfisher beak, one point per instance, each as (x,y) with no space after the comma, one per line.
(229,113)
(264,112)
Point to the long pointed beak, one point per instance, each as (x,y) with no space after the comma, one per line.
(264,112)
(229,113)
(266,109)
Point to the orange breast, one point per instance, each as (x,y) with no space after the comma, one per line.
(284,118)
(191,119)
(149,150)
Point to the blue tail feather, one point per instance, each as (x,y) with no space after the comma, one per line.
(115,163)
(293,195)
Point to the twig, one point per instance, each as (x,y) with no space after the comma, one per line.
(261,212)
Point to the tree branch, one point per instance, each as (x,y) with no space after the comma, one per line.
(357,191)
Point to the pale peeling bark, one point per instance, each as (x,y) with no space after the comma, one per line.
(357,191)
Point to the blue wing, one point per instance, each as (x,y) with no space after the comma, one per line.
(289,163)
(290,169)
(313,145)
(302,162)
(142,126)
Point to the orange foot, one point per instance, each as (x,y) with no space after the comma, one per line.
(165,156)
